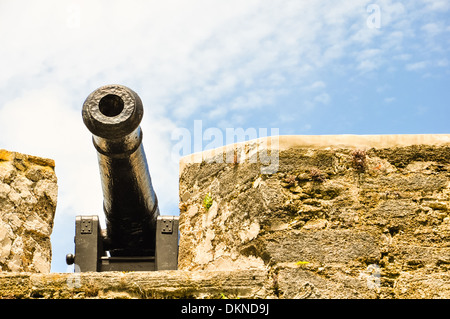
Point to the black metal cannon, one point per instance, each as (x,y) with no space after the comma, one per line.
(136,236)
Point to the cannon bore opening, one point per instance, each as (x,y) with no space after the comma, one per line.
(111,105)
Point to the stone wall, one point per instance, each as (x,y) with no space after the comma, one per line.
(340,217)
(28,195)
(316,217)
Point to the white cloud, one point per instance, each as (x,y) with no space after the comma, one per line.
(184,56)
(323,98)
(382,88)
(42,123)
(163,169)
(403,57)
(417,66)
(392,12)
(314,86)
(369,60)
(442,63)
(437,5)
(432,28)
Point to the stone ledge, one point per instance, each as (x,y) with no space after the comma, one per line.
(318,142)
(286,281)
(174,284)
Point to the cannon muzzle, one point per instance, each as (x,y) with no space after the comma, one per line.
(113,113)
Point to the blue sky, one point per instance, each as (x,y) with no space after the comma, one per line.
(304,67)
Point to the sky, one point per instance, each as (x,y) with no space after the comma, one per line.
(301,67)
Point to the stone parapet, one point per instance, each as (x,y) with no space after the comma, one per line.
(338,216)
(28,196)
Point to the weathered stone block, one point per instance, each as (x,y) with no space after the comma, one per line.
(334,210)
(28,196)
(314,283)
(328,246)
(420,284)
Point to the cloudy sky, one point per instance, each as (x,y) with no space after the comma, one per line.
(304,67)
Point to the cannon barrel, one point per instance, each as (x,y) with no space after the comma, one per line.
(112,114)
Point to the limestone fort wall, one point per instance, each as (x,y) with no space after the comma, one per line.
(346,216)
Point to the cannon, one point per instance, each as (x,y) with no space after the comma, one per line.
(137,237)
